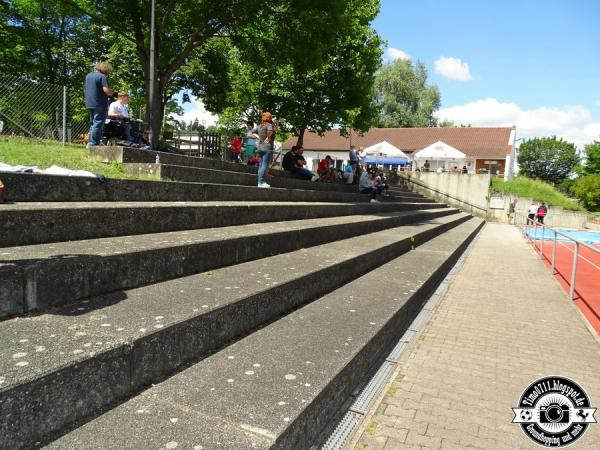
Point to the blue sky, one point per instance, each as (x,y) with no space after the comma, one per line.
(530,62)
(535,63)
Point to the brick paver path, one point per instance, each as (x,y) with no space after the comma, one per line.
(503,323)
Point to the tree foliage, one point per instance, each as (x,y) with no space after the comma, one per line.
(404,97)
(548,159)
(587,190)
(337,91)
(592,158)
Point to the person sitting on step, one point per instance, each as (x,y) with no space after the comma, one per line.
(294,162)
(326,170)
(365,185)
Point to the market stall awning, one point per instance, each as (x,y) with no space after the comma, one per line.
(384,149)
(439,151)
(391,161)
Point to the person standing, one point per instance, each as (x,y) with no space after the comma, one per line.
(511,210)
(236,148)
(531,213)
(542,212)
(97,93)
(250,141)
(266,138)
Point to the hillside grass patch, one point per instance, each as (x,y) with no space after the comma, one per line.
(537,190)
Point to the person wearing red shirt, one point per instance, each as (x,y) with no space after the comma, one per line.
(326,170)
(236,148)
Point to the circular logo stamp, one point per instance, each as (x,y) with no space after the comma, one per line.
(554,412)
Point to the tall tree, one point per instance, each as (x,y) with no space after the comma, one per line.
(548,159)
(592,158)
(187,29)
(404,97)
(338,91)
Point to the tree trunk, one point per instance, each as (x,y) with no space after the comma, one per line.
(300,141)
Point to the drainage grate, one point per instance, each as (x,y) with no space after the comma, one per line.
(408,336)
(395,354)
(416,324)
(343,431)
(366,397)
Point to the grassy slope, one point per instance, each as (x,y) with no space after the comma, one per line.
(26,152)
(538,190)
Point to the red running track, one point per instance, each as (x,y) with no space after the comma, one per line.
(587,277)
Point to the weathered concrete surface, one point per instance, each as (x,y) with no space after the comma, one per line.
(57,274)
(503,323)
(280,386)
(24,187)
(133,155)
(202,175)
(55,222)
(147,333)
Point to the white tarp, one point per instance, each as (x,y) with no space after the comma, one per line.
(440,151)
(52,170)
(384,149)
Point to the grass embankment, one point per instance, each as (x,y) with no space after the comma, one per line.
(28,152)
(537,190)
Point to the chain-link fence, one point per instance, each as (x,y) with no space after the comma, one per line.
(41,110)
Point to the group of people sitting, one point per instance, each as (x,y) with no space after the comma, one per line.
(369,179)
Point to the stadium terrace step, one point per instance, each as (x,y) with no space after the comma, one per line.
(200,175)
(85,358)
(135,155)
(281,386)
(40,276)
(24,187)
(53,222)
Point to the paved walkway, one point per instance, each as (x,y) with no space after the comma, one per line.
(503,323)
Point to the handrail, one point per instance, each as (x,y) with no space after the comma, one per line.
(526,223)
(419,183)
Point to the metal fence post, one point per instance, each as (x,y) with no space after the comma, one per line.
(64,112)
(542,243)
(574,271)
(554,253)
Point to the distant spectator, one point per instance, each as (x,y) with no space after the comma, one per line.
(361,156)
(365,185)
(294,162)
(511,210)
(542,211)
(353,155)
(97,93)
(266,139)
(250,141)
(532,213)
(325,169)
(465,170)
(426,166)
(236,148)
(349,173)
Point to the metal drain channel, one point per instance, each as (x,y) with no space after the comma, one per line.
(346,427)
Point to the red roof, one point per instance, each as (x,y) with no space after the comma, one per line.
(474,142)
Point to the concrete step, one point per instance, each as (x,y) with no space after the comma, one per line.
(40,276)
(133,155)
(84,358)
(281,386)
(65,221)
(25,187)
(202,175)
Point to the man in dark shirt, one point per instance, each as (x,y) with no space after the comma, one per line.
(97,93)
(294,162)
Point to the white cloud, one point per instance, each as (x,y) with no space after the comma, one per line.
(453,68)
(395,53)
(597,102)
(197,111)
(572,123)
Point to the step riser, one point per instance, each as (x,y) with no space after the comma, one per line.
(67,280)
(55,225)
(199,175)
(307,429)
(50,188)
(131,155)
(65,396)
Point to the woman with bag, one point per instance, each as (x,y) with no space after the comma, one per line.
(542,211)
(266,138)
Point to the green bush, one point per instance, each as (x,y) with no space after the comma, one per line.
(537,190)
(587,190)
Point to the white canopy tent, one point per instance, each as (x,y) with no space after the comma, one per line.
(440,155)
(385,153)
